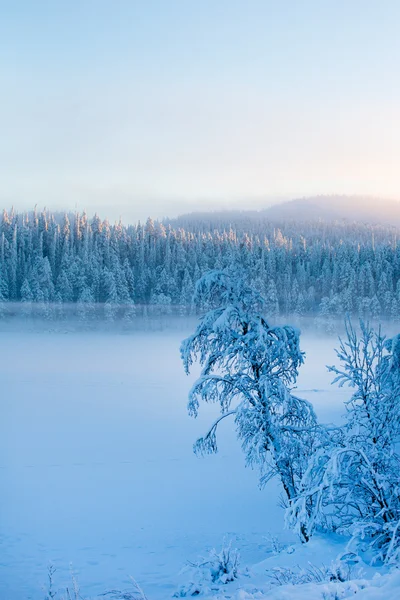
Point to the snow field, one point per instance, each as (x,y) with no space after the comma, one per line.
(97,469)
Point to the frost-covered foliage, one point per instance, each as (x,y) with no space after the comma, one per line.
(338,571)
(353,480)
(135,593)
(249,368)
(72,590)
(207,574)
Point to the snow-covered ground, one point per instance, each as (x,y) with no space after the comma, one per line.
(97,470)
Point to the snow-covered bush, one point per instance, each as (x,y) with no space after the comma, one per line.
(338,571)
(352,483)
(207,574)
(72,591)
(249,369)
(275,545)
(135,593)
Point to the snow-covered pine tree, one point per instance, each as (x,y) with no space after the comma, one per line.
(249,368)
(4,291)
(26,299)
(85,305)
(110,295)
(129,312)
(352,482)
(272,304)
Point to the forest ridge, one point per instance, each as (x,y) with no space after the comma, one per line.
(307,268)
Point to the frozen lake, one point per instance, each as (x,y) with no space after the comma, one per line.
(97,470)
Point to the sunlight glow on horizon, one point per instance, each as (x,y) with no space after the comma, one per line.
(130,108)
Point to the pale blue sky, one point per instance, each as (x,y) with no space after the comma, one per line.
(134,107)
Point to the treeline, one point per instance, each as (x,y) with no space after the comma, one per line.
(51,260)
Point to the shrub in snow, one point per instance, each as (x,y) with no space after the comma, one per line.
(352,483)
(338,592)
(136,593)
(338,571)
(219,568)
(249,368)
(70,592)
(275,546)
(73,592)
(50,591)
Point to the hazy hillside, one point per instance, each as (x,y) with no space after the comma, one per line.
(353,208)
(326,208)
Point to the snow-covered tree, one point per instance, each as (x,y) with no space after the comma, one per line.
(352,483)
(129,312)
(110,295)
(26,299)
(85,305)
(272,304)
(249,368)
(326,318)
